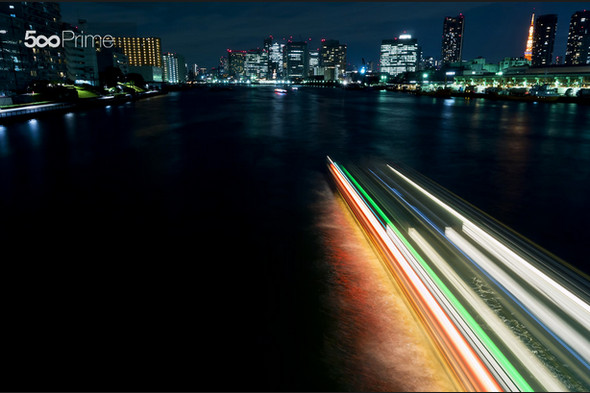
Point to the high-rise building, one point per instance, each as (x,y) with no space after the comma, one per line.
(544,39)
(452,39)
(275,60)
(528,51)
(19,64)
(314,67)
(141,51)
(578,39)
(333,59)
(235,62)
(222,69)
(399,55)
(81,61)
(171,68)
(256,64)
(295,60)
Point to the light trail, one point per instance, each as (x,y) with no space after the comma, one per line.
(479,377)
(502,315)
(567,336)
(575,343)
(570,303)
(534,366)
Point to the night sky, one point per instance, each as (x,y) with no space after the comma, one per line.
(202,31)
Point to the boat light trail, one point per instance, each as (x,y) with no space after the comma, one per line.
(479,377)
(500,313)
(568,302)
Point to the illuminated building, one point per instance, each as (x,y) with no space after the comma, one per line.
(333,59)
(275,60)
(428,63)
(171,68)
(399,55)
(528,52)
(513,62)
(81,61)
(544,39)
(150,74)
(256,64)
(235,62)
(19,65)
(452,39)
(222,69)
(295,60)
(578,39)
(141,51)
(562,77)
(314,68)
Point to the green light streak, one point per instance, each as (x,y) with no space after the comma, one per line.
(505,363)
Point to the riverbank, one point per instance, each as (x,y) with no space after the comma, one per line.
(33,110)
(504,97)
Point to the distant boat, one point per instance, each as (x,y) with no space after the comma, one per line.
(280,91)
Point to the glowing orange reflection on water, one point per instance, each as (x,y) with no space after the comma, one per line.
(376,343)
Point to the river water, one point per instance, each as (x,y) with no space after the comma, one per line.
(184,242)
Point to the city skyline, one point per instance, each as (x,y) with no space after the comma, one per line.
(206,30)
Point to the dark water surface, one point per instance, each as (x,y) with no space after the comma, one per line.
(171,243)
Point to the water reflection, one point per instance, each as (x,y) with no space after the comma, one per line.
(4,147)
(200,153)
(34,132)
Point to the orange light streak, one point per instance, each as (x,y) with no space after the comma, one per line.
(471,365)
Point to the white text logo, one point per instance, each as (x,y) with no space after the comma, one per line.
(78,40)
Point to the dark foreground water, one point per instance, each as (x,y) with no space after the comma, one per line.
(173,244)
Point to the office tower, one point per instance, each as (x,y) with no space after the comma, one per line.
(19,64)
(256,64)
(333,59)
(544,39)
(235,62)
(81,61)
(275,60)
(141,51)
(578,39)
(399,55)
(528,52)
(452,39)
(295,60)
(314,63)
